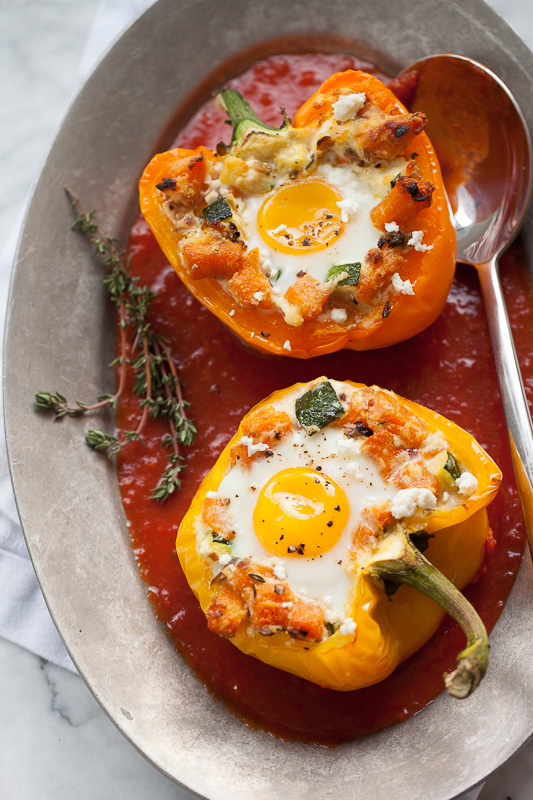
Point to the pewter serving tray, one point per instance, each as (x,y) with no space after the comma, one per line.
(59,336)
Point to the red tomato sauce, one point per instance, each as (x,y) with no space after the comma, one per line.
(448,368)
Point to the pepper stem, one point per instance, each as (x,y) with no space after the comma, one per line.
(243,118)
(404,563)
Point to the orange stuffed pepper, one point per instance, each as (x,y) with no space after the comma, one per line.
(317,510)
(326,233)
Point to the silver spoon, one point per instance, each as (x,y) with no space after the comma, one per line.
(484,148)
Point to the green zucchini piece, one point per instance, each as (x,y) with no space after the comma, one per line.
(243,119)
(452,466)
(219,539)
(318,407)
(217,211)
(353,270)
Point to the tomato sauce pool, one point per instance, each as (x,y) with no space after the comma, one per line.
(448,368)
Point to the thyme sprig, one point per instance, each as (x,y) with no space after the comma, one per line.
(156,380)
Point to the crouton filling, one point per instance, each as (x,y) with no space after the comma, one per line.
(310,490)
(313,222)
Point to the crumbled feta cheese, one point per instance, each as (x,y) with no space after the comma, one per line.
(354,469)
(287,604)
(348,627)
(232,312)
(327,600)
(253,448)
(224,559)
(211,494)
(279,229)
(403,287)
(348,206)
(406,501)
(287,345)
(392,227)
(416,242)
(466,483)
(279,572)
(348,105)
(338,314)
(349,447)
(445,497)
(265,262)
(259,296)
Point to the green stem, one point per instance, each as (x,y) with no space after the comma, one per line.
(406,564)
(243,118)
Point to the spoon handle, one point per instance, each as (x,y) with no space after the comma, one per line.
(515,406)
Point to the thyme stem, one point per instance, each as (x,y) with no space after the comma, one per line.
(157,382)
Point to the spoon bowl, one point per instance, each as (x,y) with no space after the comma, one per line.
(483,145)
(484,149)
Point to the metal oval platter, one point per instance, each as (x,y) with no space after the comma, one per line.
(60,334)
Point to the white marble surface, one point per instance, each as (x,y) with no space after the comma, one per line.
(55,742)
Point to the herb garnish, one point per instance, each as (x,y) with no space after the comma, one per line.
(392,239)
(353,273)
(217,211)
(157,383)
(452,466)
(318,407)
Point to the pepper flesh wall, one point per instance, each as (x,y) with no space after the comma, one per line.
(329,232)
(298,538)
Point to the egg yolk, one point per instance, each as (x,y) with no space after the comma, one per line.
(300,512)
(301,217)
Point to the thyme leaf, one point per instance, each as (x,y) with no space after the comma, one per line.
(156,380)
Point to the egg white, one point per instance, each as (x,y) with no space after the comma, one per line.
(358,235)
(322,578)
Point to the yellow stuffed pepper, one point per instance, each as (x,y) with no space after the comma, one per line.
(329,232)
(315,513)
